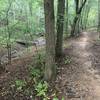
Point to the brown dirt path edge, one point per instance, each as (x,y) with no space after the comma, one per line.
(80,80)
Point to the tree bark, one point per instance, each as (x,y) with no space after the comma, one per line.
(60,27)
(66,12)
(50,68)
(74,26)
(77,17)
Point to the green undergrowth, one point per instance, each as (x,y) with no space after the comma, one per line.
(67,60)
(35,87)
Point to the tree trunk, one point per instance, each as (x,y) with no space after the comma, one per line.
(60,27)
(66,12)
(74,26)
(50,68)
(86,19)
(77,17)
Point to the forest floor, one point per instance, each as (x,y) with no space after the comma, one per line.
(78,75)
(80,79)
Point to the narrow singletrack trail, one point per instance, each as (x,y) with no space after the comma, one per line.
(91,79)
(80,80)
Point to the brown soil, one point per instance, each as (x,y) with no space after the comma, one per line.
(78,80)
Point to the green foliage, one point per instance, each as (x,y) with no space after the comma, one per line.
(39,59)
(20,84)
(35,83)
(21,22)
(35,72)
(63,98)
(67,60)
(55,98)
(41,88)
(4,41)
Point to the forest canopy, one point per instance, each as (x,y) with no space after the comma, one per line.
(22,12)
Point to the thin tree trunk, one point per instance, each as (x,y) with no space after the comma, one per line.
(77,17)
(74,26)
(9,33)
(66,12)
(60,27)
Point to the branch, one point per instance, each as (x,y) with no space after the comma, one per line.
(80,9)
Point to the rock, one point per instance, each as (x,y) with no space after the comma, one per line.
(40,41)
(14,55)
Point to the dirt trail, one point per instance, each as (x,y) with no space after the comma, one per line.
(80,80)
(90,77)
